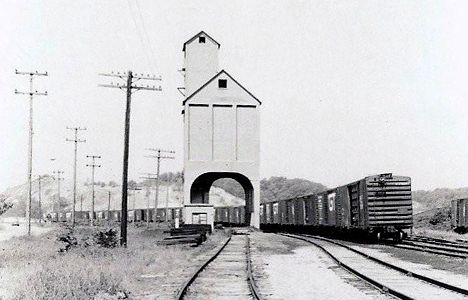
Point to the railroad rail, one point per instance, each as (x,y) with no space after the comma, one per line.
(434,246)
(231,267)
(384,275)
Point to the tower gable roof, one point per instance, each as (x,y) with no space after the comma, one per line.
(212,79)
(197,35)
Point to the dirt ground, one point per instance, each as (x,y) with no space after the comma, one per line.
(286,268)
(447,269)
(7,231)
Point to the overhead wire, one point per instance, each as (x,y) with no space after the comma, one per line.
(139,33)
(145,31)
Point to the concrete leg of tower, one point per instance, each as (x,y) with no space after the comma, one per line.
(255,214)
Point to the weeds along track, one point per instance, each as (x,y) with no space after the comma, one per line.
(227,274)
(396,281)
(434,246)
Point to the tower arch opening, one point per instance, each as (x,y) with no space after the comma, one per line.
(200,189)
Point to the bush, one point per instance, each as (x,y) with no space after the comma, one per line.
(439,217)
(69,241)
(106,239)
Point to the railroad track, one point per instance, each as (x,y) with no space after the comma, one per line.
(395,280)
(459,244)
(227,274)
(434,246)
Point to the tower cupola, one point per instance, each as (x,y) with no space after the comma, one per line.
(200,61)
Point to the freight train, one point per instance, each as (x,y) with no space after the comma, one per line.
(376,207)
(460,215)
(134,215)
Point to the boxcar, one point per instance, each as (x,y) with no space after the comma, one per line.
(378,205)
(460,215)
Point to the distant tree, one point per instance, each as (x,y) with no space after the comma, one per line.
(274,188)
(231,186)
(103,184)
(112,183)
(132,184)
(278,188)
(4,205)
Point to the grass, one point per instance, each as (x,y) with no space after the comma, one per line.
(33,268)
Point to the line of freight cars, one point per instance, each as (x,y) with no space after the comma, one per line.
(135,215)
(375,207)
(227,216)
(460,215)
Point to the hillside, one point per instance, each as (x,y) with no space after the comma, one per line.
(438,198)
(435,219)
(225,192)
(274,188)
(170,192)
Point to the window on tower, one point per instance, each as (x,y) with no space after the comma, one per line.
(201,39)
(222,83)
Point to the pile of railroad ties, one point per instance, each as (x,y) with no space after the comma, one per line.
(194,234)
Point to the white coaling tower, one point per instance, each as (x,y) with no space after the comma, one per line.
(221,133)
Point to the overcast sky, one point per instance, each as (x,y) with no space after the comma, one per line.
(349,88)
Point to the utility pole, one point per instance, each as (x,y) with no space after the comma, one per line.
(108,206)
(39,178)
(149,176)
(167,201)
(81,206)
(158,157)
(58,178)
(93,166)
(31,94)
(76,141)
(134,189)
(129,87)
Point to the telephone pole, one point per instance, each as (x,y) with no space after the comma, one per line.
(149,176)
(39,178)
(108,206)
(31,94)
(129,87)
(76,141)
(81,206)
(58,178)
(160,154)
(167,201)
(93,166)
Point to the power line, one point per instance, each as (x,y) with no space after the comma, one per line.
(159,155)
(140,35)
(146,34)
(92,166)
(129,86)
(76,140)
(31,94)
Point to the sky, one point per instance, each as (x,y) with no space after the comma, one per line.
(349,88)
